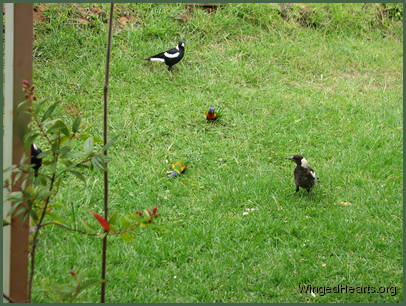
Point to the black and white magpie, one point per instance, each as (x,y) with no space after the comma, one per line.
(35,161)
(305,176)
(170,57)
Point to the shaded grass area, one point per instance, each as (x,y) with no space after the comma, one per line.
(331,91)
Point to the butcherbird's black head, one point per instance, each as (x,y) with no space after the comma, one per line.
(296,158)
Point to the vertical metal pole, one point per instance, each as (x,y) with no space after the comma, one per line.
(105,138)
(22,70)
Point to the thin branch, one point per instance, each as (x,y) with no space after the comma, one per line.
(131,229)
(77,164)
(36,233)
(41,128)
(69,228)
(9,299)
(106,178)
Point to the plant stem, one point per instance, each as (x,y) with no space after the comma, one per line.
(35,238)
(70,229)
(106,178)
(41,219)
(9,299)
(131,229)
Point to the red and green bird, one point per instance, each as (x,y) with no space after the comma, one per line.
(178,168)
(212,114)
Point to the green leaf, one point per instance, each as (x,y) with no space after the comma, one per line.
(59,126)
(83,166)
(88,282)
(89,227)
(43,180)
(43,193)
(76,125)
(33,214)
(44,154)
(49,111)
(11,168)
(17,176)
(160,227)
(98,140)
(23,159)
(15,196)
(113,218)
(65,139)
(98,162)
(29,140)
(78,175)
(20,211)
(127,237)
(125,224)
(21,104)
(110,143)
(67,163)
(74,155)
(89,145)
(64,150)
(54,217)
(36,107)
(24,184)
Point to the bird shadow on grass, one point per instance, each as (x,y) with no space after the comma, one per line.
(306,199)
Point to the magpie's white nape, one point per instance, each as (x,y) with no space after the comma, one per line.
(171,56)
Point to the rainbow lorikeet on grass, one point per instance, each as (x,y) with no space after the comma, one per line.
(177,169)
(212,114)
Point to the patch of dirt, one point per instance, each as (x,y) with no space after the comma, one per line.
(183,17)
(126,18)
(207,7)
(82,20)
(37,13)
(72,110)
(83,15)
(285,10)
(305,18)
(351,75)
(387,11)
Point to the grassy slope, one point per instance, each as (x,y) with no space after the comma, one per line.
(333,94)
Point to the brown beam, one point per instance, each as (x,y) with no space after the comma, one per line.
(22,70)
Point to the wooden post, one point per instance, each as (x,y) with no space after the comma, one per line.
(19,63)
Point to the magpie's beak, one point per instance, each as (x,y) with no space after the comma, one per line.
(289,158)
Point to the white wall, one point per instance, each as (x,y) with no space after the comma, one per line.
(7,132)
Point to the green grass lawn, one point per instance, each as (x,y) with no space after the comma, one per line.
(326,84)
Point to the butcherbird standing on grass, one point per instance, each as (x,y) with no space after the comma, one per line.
(304,176)
(35,161)
(170,57)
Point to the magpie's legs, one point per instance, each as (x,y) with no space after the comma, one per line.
(169,68)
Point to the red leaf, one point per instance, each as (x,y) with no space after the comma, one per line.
(101,220)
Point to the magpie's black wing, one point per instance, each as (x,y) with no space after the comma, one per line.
(159,55)
(172,51)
